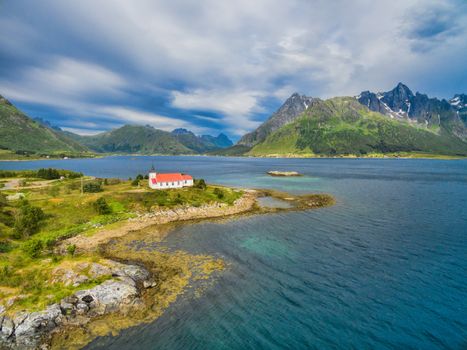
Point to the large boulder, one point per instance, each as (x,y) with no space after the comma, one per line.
(29,332)
(110,296)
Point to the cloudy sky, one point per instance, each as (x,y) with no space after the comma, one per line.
(213,65)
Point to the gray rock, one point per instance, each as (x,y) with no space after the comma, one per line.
(82,308)
(98,270)
(149,284)
(72,299)
(29,333)
(110,296)
(7,328)
(66,308)
(135,272)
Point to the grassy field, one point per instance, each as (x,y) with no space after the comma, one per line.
(51,210)
(11,155)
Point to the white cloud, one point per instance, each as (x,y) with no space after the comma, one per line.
(63,82)
(133,116)
(236,107)
(225,57)
(84,132)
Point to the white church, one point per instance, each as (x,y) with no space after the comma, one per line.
(159,181)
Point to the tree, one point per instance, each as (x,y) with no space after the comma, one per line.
(139,177)
(219,193)
(102,207)
(48,174)
(92,187)
(28,220)
(200,183)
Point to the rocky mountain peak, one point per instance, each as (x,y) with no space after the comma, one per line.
(459,101)
(293,107)
(181,131)
(398,99)
(402,103)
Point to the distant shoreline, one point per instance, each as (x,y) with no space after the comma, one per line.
(274,156)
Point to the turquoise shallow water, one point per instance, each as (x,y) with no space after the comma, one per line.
(385,268)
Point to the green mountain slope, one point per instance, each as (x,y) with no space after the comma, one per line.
(342,126)
(133,139)
(18,132)
(201,144)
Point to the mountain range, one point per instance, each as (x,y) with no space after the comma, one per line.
(370,123)
(21,134)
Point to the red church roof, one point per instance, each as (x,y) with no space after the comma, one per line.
(170,178)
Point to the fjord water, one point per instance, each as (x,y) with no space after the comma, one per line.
(385,268)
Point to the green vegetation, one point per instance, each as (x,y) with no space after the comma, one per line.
(71,249)
(23,137)
(199,183)
(101,207)
(133,139)
(47,174)
(92,187)
(28,220)
(54,210)
(234,151)
(342,126)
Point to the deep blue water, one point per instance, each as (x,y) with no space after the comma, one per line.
(385,268)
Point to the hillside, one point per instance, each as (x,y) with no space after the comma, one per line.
(201,144)
(343,126)
(134,139)
(287,113)
(21,134)
(148,140)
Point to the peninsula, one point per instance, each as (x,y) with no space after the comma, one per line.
(68,271)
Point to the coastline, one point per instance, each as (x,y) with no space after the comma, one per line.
(154,228)
(275,156)
(140,283)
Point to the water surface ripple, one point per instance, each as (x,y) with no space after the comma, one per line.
(385,268)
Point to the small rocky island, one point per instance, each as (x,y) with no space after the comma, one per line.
(283,173)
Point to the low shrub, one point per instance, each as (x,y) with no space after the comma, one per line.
(33,247)
(102,207)
(5,246)
(219,193)
(28,220)
(92,187)
(71,249)
(199,183)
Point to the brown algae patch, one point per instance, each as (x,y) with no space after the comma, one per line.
(174,272)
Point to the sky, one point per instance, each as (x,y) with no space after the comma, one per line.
(219,66)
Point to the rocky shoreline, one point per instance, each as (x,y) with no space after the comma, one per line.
(124,288)
(184,213)
(121,293)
